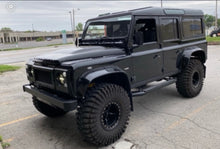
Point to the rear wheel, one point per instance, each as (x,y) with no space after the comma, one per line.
(47,109)
(103,116)
(190,81)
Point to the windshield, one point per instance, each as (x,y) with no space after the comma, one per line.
(108,28)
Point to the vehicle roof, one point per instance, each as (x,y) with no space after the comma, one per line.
(156,11)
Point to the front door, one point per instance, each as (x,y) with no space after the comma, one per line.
(147,56)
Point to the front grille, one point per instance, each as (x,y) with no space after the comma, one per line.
(43,76)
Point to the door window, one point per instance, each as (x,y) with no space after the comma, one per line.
(169,29)
(192,27)
(145,31)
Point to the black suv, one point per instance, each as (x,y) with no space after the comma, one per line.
(120,55)
(215,33)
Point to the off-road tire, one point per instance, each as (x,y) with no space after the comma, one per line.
(47,109)
(190,80)
(91,115)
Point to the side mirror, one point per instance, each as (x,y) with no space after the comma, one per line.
(77,41)
(139,38)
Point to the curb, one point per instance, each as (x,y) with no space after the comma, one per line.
(213,43)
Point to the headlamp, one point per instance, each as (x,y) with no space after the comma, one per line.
(62,78)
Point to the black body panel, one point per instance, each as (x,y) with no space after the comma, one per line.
(133,65)
(65,104)
(80,53)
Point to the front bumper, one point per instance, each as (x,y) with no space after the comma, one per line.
(51,99)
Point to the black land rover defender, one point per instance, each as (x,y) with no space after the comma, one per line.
(119,57)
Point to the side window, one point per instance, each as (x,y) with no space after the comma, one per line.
(169,29)
(192,27)
(145,31)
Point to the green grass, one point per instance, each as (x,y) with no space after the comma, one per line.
(12,49)
(213,39)
(4,144)
(4,68)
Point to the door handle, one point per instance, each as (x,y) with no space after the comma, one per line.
(156,56)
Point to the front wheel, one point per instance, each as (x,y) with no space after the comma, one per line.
(103,116)
(190,80)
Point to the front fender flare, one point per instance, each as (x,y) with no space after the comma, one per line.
(89,77)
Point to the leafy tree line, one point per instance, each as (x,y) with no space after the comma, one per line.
(79,27)
(6,29)
(210,20)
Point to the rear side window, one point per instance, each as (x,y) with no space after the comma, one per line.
(169,29)
(192,27)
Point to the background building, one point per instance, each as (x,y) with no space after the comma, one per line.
(12,37)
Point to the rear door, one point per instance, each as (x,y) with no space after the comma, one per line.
(169,33)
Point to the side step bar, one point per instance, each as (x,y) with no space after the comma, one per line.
(151,88)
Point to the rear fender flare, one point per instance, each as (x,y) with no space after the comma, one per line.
(184,58)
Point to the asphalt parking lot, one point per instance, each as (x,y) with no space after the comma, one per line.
(161,119)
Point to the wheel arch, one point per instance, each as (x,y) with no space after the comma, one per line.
(189,53)
(112,75)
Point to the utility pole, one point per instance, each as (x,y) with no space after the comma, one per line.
(161,3)
(33,30)
(71,20)
(74,24)
(216,14)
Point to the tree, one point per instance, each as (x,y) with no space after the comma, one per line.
(6,29)
(209,20)
(79,27)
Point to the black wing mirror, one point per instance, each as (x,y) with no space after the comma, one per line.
(78,41)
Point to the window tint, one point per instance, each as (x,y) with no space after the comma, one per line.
(192,27)
(146,30)
(169,28)
(174,11)
(108,28)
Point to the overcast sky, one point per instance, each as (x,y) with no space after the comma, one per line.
(54,15)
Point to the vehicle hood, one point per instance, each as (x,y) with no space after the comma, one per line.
(77,53)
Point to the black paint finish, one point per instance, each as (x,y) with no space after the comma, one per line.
(126,64)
